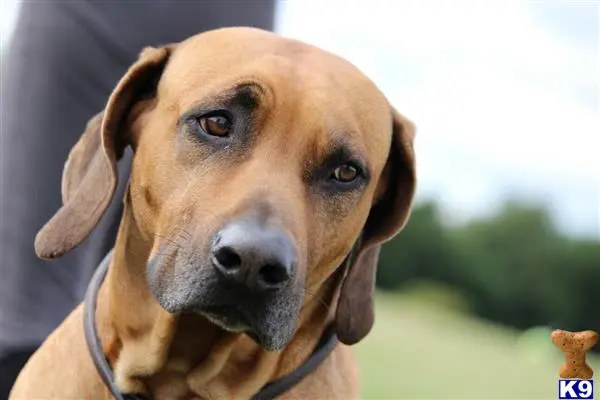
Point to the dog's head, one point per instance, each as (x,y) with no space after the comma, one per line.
(258,163)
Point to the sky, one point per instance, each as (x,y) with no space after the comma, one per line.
(505,94)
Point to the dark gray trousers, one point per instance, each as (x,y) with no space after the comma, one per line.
(61,65)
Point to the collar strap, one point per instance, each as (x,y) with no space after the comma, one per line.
(269,391)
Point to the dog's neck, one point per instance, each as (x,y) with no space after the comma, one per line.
(168,356)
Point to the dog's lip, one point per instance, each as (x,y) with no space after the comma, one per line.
(230,318)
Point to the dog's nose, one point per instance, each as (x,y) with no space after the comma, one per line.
(260,259)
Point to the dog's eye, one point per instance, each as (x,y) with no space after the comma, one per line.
(215,125)
(345,173)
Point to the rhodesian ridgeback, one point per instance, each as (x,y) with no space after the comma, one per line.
(258,163)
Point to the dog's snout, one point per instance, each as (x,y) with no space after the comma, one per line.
(258,258)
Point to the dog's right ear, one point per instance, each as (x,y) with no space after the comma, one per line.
(90,174)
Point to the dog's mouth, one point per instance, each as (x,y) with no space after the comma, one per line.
(269,327)
(229,318)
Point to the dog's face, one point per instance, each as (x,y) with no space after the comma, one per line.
(258,162)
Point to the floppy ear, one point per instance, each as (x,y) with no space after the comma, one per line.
(355,313)
(90,174)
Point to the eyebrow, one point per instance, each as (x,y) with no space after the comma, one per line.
(339,151)
(342,151)
(246,95)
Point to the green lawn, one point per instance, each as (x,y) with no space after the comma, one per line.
(419,350)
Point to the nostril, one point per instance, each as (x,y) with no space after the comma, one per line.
(227,258)
(273,274)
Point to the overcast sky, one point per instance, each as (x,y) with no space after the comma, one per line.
(505,94)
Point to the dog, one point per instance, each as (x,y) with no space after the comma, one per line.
(259,162)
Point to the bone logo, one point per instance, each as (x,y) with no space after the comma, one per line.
(576,374)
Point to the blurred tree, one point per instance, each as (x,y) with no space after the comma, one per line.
(422,250)
(514,267)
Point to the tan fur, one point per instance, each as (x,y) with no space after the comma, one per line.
(176,196)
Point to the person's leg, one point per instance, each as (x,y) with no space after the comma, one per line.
(62,63)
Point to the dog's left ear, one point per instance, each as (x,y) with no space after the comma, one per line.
(355,313)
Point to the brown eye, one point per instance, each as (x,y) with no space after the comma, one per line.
(345,173)
(215,125)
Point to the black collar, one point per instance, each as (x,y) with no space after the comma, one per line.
(269,391)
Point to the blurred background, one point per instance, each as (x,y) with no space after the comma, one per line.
(504,241)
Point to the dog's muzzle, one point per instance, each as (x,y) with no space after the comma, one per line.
(245,279)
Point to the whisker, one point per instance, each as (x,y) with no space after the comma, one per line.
(167,239)
(314,296)
(185,239)
(182,231)
(185,234)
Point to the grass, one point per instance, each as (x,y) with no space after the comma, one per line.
(421,350)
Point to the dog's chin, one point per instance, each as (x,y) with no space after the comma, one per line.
(232,319)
